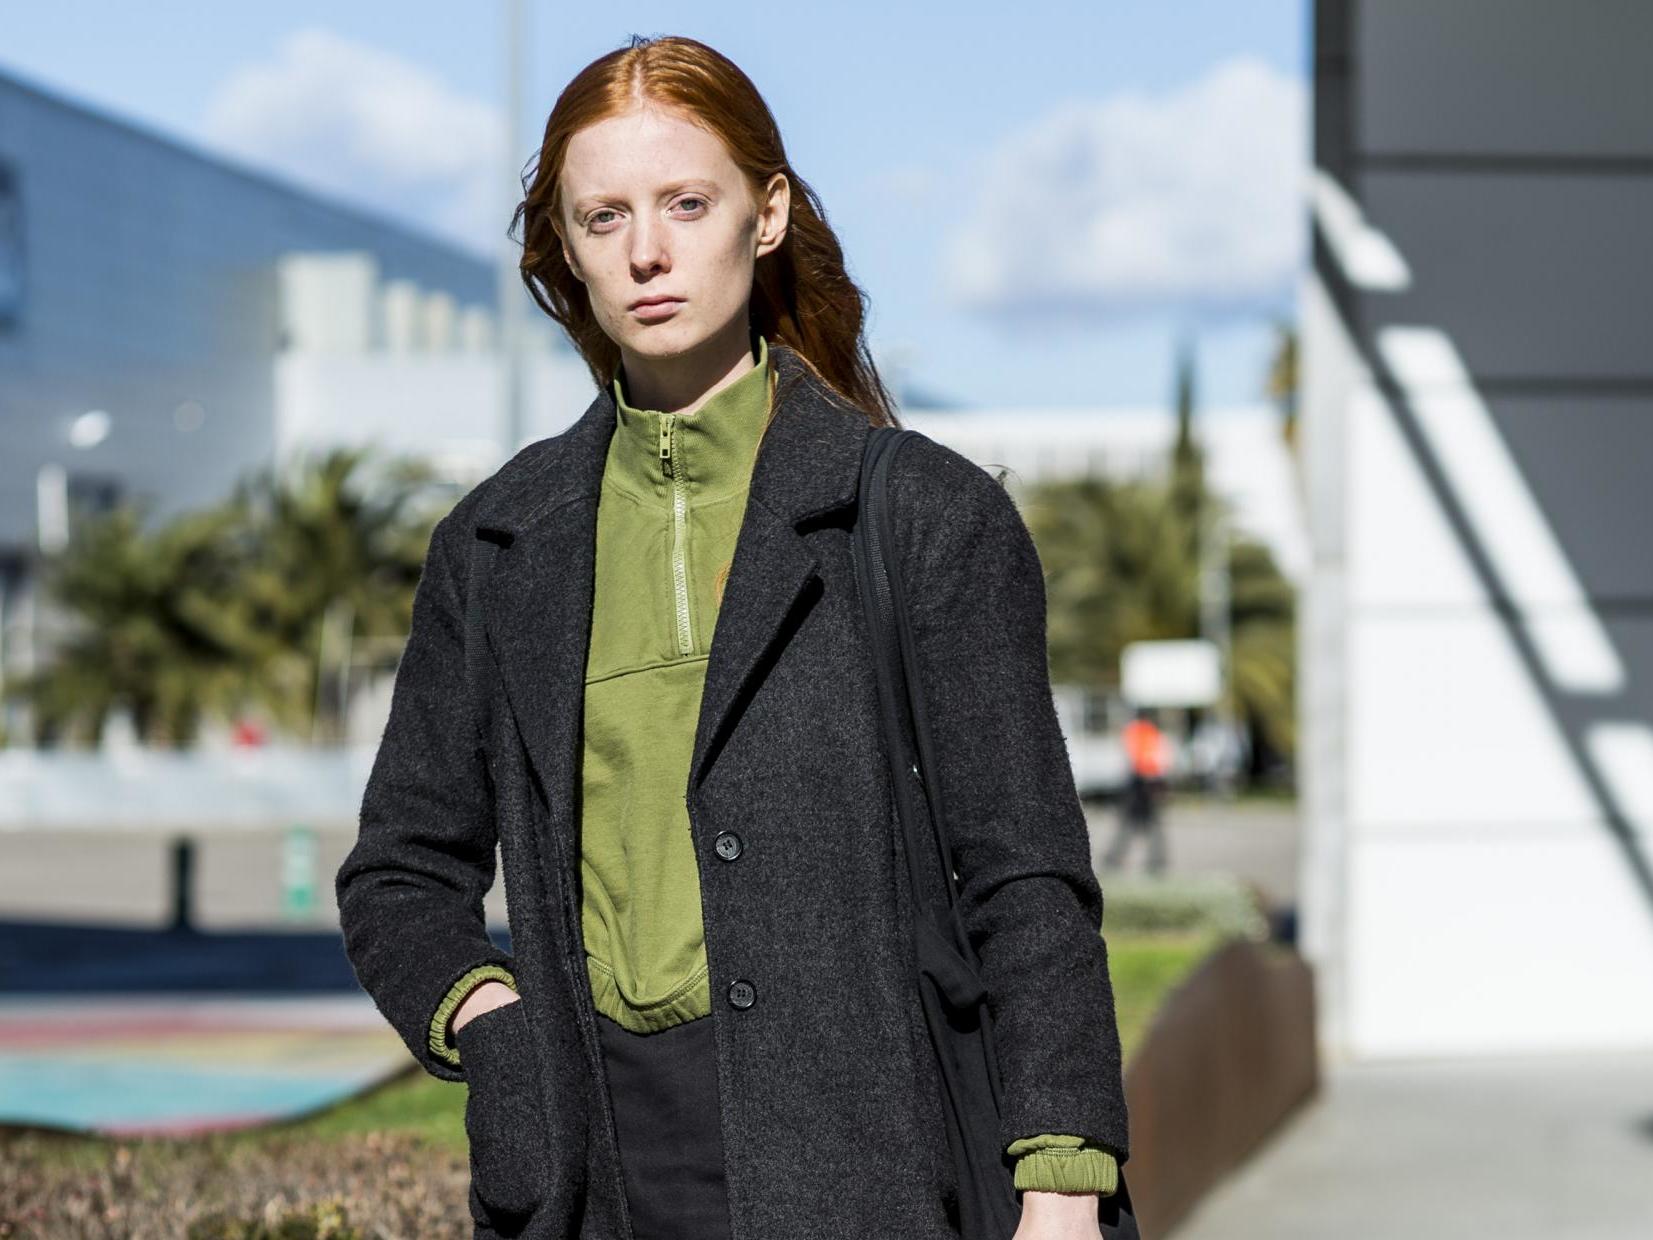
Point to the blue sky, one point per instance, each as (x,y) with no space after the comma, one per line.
(1036,197)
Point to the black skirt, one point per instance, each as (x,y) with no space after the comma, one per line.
(664,1089)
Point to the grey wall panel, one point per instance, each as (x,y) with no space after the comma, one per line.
(1563,78)
(1331,33)
(1534,277)
(1631,636)
(1331,110)
(1331,87)
(1588,460)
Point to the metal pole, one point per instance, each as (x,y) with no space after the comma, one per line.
(183,884)
(1216,618)
(511,324)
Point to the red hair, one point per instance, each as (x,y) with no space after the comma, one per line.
(801,294)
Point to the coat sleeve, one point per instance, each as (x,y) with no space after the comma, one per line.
(442,1041)
(410,891)
(1029,899)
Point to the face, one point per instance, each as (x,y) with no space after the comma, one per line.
(652,207)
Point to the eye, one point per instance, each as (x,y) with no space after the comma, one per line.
(592,218)
(692,198)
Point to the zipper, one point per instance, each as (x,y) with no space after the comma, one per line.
(669,462)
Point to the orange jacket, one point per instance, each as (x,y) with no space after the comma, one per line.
(1146,749)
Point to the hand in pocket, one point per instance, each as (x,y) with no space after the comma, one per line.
(504,1115)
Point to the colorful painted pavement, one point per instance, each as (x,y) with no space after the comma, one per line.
(181,1064)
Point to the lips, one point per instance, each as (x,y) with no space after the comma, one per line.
(656,309)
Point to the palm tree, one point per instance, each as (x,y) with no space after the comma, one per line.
(148,629)
(338,555)
(253,603)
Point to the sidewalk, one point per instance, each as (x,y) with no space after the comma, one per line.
(1256,841)
(1554,1146)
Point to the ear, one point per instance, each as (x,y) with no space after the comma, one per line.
(774,214)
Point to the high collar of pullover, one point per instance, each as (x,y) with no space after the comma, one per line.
(711,449)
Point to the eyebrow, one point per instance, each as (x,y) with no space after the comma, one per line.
(666,191)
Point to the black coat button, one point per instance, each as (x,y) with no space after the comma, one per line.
(742,994)
(728,845)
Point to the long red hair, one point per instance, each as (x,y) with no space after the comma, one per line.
(801,294)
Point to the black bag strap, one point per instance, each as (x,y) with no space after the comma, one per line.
(895,661)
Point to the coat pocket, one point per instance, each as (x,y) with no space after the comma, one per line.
(505,1116)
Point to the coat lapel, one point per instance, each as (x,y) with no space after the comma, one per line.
(542,509)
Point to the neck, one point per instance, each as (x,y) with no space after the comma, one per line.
(710,451)
(684,383)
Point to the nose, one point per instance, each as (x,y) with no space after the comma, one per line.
(648,247)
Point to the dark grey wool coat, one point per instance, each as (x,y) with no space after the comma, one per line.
(831,1117)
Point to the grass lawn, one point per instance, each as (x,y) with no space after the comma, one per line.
(1147,967)
(397,1155)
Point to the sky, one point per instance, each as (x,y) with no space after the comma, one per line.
(1039,200)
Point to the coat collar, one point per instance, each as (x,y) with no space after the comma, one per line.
(808,463)
(542,510)
(713,447)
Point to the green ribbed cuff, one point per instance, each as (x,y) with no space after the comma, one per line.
(1056,1163)
(440,1044)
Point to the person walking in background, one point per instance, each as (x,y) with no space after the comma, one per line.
(1147,754)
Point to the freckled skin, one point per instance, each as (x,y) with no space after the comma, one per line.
(652,204)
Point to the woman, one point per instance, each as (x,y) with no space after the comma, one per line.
(708,1025)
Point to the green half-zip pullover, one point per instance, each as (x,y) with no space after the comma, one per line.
(673,495)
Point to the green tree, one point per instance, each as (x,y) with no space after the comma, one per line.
(1189,498)
(338,546)
(148,629)
(252,603)
(1122,565)
(1281,384)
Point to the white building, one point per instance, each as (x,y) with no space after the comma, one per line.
(1477,638)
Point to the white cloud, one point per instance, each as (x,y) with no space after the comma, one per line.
(1136,202)
(367,126)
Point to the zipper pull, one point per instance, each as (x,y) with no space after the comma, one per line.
(666,443)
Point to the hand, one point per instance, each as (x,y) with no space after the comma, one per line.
(483,998)
(1058,1216)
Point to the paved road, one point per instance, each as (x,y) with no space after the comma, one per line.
(1255,840)
(1559,1147)
(123,879)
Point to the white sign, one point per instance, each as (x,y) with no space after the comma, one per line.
(1179,673)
